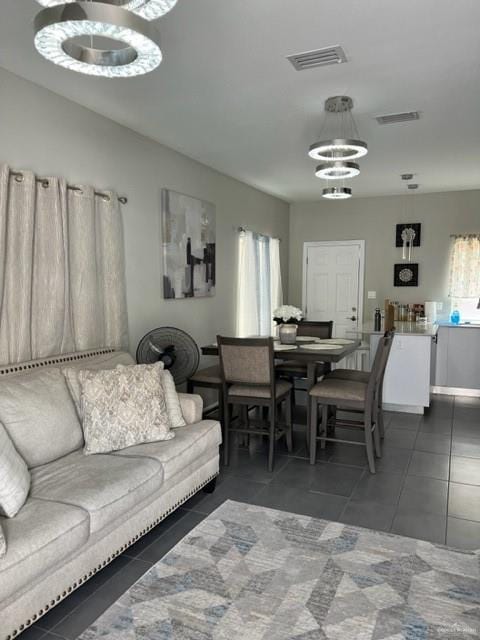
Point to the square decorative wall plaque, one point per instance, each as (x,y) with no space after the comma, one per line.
(413,228)
(405,275)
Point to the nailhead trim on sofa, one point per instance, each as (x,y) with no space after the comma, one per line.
(12,369)
(82,579)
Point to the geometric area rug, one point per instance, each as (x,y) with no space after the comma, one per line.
(251,573)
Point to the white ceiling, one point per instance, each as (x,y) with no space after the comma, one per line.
(226,95)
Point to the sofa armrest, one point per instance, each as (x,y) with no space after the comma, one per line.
(192,407)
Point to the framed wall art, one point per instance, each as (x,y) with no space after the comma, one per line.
(189,246)
(405,275)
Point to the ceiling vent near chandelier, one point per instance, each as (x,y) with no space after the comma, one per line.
(394,118)
(318,58)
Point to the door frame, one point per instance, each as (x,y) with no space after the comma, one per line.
(361,268)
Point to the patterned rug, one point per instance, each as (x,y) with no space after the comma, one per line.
(251,573)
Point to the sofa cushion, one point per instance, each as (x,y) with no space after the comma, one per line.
(40,536)
(39,416)
(190,443)
(105,486)
(14,477)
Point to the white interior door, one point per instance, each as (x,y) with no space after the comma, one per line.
(333,284)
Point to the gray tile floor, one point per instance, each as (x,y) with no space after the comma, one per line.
(427,486)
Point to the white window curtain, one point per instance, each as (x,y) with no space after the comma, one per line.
(62,272)
(465,267)
(259,286)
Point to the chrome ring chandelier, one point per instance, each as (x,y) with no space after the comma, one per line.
(100,37)
(337,193)
(338,152)
(148,9)
(337,170)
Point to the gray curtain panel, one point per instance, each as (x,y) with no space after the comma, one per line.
(62,271)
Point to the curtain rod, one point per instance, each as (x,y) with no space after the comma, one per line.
(244,229)
(465,235)
(45,182)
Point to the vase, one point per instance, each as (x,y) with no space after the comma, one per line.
(288,333)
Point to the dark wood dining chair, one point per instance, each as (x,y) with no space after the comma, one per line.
(364,376)
(350,395)
(292,369)
(209,378)
(248,377)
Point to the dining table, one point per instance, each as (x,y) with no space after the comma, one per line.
(326,350)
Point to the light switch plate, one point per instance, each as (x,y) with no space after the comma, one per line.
(372,295)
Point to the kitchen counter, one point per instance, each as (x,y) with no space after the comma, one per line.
(462,325)
(404,329)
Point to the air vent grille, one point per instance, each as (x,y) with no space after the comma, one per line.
(393,118)
(318,58)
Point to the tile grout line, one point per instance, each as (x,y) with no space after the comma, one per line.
(450,466)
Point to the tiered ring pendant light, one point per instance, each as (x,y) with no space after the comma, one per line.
(109,38)
(338,154)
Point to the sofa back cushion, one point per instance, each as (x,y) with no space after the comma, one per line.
(39,416)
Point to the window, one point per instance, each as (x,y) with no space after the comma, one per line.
(259,288)
(464,288)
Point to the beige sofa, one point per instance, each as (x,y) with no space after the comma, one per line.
(83,511)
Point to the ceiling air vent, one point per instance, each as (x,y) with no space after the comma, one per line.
(318,58)
(393,118)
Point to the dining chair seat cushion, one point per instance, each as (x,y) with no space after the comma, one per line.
(337,390)
(210,375)
(350,374)
(253,391)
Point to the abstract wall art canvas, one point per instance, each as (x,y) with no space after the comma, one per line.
(189,235)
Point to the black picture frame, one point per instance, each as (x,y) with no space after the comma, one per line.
(416,226)
(400,275)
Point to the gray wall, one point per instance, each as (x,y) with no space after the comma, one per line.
(374,220)
(50,135)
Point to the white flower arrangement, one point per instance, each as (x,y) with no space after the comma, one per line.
(286,314)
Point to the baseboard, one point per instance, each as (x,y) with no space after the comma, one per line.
(404,408)
(456,391)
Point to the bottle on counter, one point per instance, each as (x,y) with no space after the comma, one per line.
(455,317)
(378,320)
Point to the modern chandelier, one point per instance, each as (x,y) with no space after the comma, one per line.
(337,154)
(108,38)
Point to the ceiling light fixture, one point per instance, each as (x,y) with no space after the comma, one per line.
(148,9)
(337,193)
(98,38)
(345,146)
(337,170)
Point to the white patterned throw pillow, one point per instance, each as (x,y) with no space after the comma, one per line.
(14,477)
(122,407)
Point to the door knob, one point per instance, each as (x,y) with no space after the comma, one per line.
(353,318)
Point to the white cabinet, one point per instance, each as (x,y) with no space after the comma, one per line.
(407,378)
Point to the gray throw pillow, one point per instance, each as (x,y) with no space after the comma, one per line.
(3,544)
(14,477)
(122,407)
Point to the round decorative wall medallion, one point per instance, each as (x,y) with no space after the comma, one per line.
(406,275)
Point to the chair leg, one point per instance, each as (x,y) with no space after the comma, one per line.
(226,443)
(289,422)
(271,443)
(312,429)
(367,428)
(323,442)
(376,441)
(380,421)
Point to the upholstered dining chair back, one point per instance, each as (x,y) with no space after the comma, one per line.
(246,360)
(319,329)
